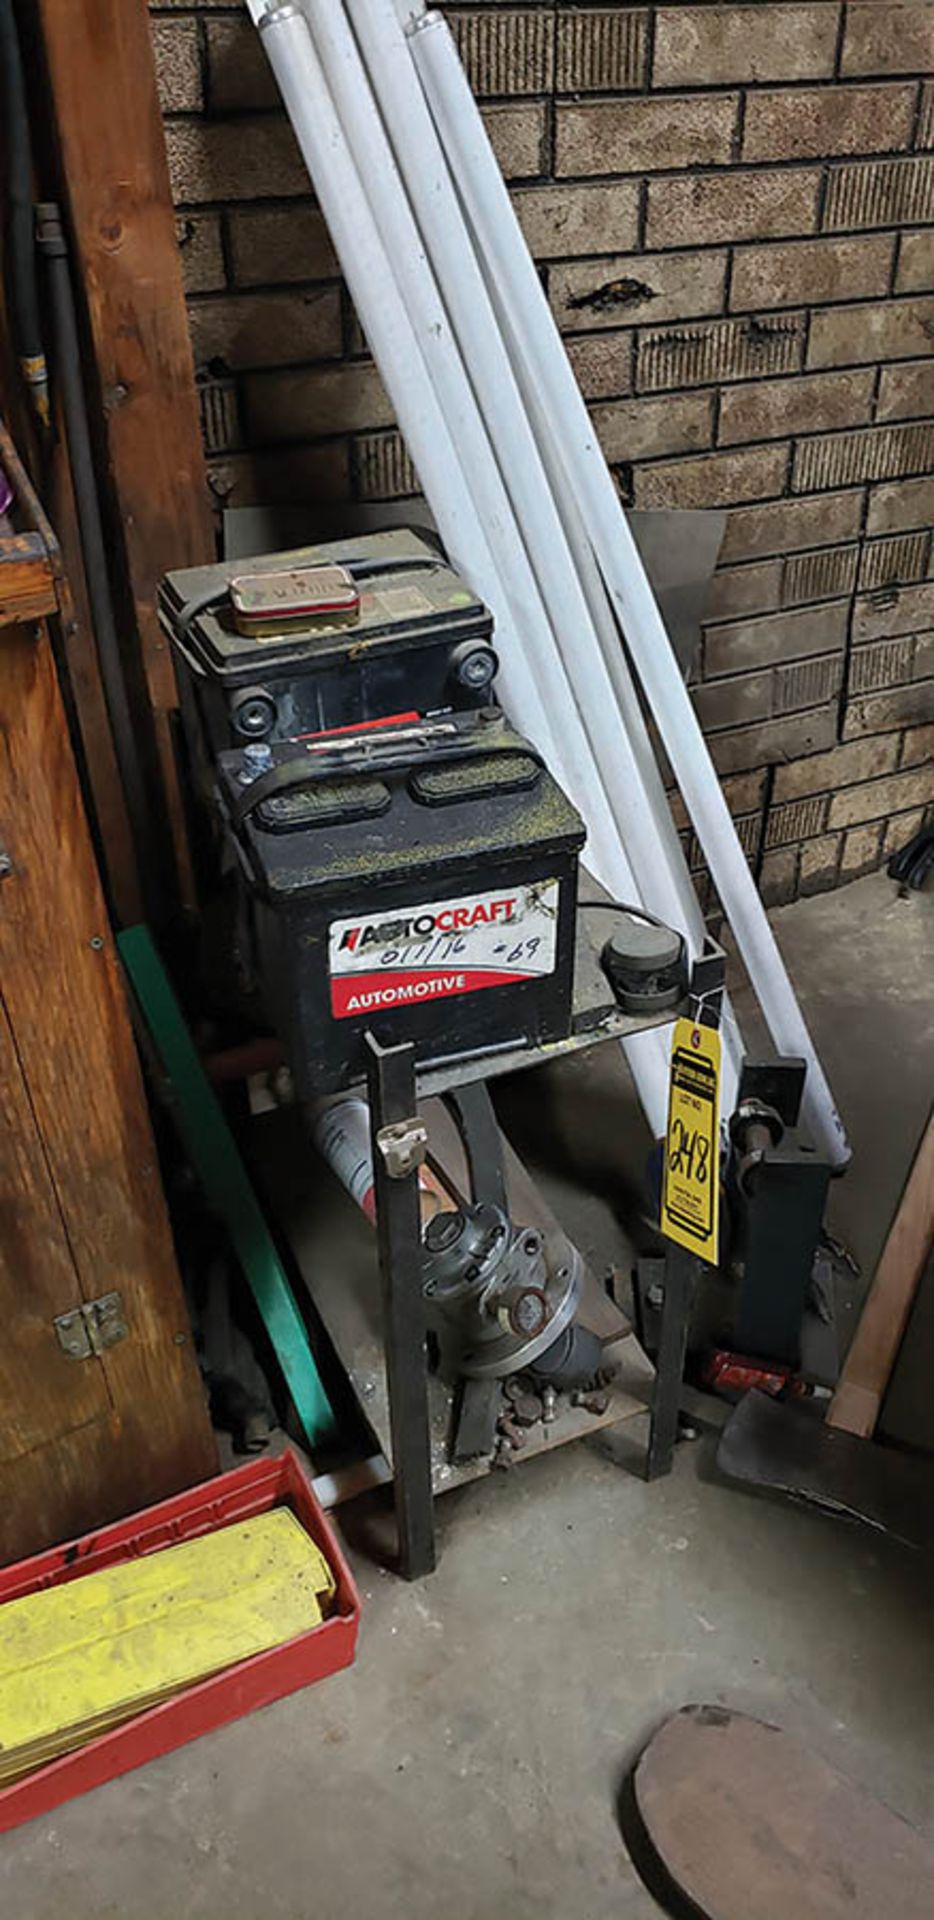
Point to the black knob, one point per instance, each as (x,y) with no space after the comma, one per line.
(253,713)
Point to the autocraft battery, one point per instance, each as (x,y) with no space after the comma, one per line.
(418,881)
(338,635)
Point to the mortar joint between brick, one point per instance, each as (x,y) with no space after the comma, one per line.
(227,249)
(839,43)
(765,808)
(549,144)
(728,279)
(916,118)
(848,645)
(715,417)
(648,55)
(874,397)
(642,213)
(739,127)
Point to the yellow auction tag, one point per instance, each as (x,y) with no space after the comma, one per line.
(691,1183)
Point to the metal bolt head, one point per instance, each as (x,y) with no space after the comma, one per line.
(477,668)
(528,1312)
(257,759)
(443,1231)
(6,865)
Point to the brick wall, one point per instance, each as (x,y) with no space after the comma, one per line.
(733,209)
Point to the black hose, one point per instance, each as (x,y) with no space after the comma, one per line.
(18,226)
(52,245)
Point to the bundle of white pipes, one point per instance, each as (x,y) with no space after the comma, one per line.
(487,402)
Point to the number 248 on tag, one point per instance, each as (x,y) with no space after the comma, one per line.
(691,1183)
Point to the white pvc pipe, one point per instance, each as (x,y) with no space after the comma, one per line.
(518,590)
(537,345)
(383,315)
(574,591)
(389,330)
(439,217)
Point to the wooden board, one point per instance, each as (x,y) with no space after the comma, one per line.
(748,1824)
(104,787)
(116,186)
(42,1393)
(856,1403)
(65,597)
(63,1001)
(30,565)
(907,1413)
(27,583)
(334,1249)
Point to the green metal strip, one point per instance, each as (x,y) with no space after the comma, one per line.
(226,1184)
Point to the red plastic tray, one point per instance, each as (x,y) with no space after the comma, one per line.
(252,1683)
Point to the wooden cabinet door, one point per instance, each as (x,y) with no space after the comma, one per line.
(81,1207)
(43,1393)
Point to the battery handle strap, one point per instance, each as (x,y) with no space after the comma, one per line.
(180,628)
(292,774)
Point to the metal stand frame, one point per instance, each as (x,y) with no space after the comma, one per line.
(682,1269)
(682,1273)
(399,1144)
(399,1149)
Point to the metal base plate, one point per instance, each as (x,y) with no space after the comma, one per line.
(788,1447)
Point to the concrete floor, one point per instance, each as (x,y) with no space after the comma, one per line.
(469,1764)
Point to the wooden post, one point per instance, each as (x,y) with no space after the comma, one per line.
(73,636)
(857,1402)
(115,188)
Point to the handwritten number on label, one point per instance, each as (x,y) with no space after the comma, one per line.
(686,1144)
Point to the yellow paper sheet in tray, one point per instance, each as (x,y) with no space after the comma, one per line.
(79,1658)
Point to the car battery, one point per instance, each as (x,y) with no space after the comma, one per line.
(416,881)
(352,632)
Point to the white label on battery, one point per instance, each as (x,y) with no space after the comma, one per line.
(442,948)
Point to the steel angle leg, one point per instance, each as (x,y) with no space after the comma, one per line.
(399,1146)
(682,1270)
